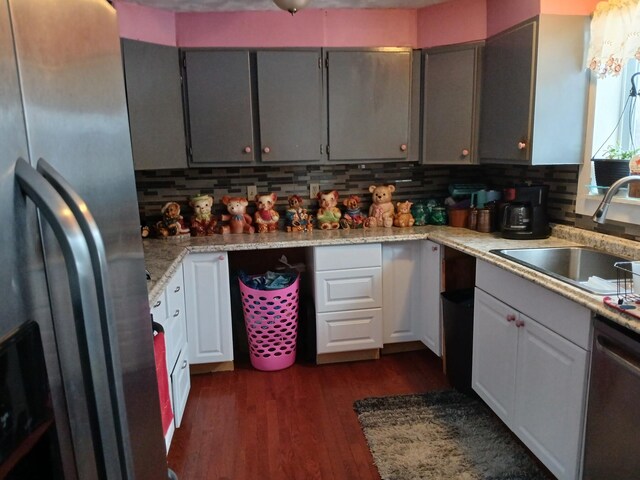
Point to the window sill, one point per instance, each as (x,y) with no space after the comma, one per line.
(622,208)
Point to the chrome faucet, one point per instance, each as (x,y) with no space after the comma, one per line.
(601,212)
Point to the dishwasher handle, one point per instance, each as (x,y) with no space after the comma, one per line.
(628,359)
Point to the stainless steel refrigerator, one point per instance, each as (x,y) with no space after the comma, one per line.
(77,374)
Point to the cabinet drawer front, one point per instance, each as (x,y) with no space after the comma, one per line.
(175,294)
(340,257)
(180,386)
(159,308)
(557,313)
(340,290)
(349,331)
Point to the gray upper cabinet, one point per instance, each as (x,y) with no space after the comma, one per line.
(534,93)
(290,105)
(451,104)
(369,97)
(154,100)
(220,107)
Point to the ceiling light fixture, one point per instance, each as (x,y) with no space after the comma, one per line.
(291,6)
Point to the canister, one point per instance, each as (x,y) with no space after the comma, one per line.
(485,220)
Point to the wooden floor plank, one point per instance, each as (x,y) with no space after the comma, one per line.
(293,423)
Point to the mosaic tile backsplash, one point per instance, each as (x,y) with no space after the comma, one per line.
(413,182)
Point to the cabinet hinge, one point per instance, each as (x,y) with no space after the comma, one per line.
(319,62)
(327,149)
(184,61)
(190,152)
(326,62)
(321,149)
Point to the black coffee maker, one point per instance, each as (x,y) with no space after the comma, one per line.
(525,218)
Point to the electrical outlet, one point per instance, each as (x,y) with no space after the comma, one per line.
(252,191)
(314,188)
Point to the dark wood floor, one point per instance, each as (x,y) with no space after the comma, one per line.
(296,423)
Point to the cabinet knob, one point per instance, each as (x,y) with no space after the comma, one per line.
(266,150)
(247,149)
(176,313)
(177,289)
(221,257)
(403,147)
(465,152)
(511,317)
(434,249)
(158,303)
(184,365)
(519,323)
(522,145)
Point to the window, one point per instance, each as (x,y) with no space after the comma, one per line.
(610,124)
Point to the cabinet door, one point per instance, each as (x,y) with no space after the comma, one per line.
(349,331)
(154,100)
(218,91)
(495,343)
(175,326)
(208,303)
(550,397)
(451,106)
(429,297)
(402,304)
(369,98)
(180,387)
(507,95)
(290,105)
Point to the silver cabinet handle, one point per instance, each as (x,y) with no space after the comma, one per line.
(184,365)
(109,395)
(177,289)
(176,313)
(158,303)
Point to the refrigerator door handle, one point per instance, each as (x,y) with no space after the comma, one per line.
(103,454)
(99,263)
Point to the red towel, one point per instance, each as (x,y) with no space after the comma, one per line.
(160,351)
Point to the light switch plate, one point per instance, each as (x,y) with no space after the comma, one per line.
(314,188)
(252,191)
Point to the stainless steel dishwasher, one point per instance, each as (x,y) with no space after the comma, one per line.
(612,441)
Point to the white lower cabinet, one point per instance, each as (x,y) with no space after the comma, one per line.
(533,378)
(348,294)
(169,311)
(428,299)
(402,305)
(208,305)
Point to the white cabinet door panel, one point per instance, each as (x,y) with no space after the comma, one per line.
(349,331)
(180,386)
(208,303)
(429,297)
(495,346)
(357,288)
(551,391)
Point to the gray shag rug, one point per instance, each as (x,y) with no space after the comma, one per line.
(442,435)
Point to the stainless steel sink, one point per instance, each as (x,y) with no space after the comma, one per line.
(573,265)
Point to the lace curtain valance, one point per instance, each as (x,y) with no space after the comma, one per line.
(615,36)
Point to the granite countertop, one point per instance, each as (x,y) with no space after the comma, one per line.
(163,257)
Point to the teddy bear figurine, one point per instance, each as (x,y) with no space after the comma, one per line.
(382,209)
(203,222)
(403,217)
(238,221)
(266,218)
(296,217)
(329,214)
(172,223)
(353,216)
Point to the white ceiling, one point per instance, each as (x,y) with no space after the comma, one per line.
(238,5)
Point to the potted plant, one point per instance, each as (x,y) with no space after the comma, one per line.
(615,165)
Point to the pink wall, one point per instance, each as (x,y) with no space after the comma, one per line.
(457,21)
(502,14)
(308,28)
(144,23)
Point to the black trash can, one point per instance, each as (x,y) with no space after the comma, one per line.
(457,319)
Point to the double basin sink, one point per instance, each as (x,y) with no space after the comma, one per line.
(582,267)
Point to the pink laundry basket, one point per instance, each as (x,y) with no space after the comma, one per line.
(271,318)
